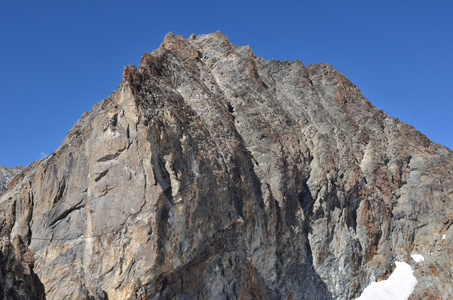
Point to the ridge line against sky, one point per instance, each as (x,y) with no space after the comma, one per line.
(60,58)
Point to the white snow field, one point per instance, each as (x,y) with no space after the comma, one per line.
(398,286)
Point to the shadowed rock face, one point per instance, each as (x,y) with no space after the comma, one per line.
(211,173)
(17,279)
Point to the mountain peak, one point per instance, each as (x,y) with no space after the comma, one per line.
(213,173)
(6,175)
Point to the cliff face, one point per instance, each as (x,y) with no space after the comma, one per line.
(211,173)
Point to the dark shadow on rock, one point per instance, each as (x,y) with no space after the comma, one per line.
(17,278)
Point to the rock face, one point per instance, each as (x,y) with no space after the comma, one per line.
(17,279)
(211,173)
(6,175)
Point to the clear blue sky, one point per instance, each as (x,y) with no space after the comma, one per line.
(58,58)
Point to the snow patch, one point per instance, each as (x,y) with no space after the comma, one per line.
(443,237)
(366,163)
(418,257)
(399,286)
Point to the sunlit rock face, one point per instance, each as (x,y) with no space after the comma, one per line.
(211,173)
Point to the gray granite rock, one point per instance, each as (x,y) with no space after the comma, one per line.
(211,173)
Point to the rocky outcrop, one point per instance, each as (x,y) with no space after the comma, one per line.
(211,173)
(6,175)
(17,279)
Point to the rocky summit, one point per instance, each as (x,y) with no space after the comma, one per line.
(6,175)
(211,173)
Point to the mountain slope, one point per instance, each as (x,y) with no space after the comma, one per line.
(212,173)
